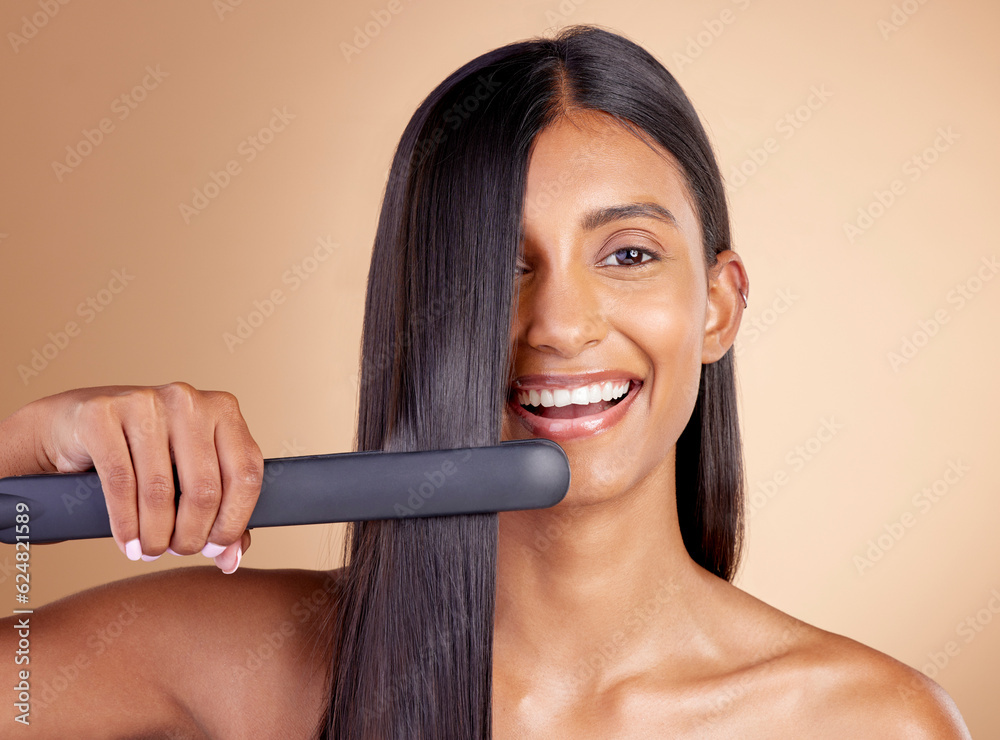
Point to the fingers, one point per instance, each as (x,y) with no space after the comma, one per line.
(220,468)
(229,559)
(242,467)
(220,478)
(193,441)
(148,442)
(113,463)
(135,435)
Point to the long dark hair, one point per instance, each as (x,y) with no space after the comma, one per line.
(412,633)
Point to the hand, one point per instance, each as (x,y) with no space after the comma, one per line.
(131,435)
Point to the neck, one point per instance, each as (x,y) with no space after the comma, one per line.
(584,588)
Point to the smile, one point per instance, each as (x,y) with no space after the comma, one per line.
(569,411)
(600,395)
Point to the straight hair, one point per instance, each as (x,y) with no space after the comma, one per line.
(412,632)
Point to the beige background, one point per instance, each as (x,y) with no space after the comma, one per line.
(828,307)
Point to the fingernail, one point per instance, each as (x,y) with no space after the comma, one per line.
(170,550)
(239,557)
(211,550)
(150,558)
(133,550)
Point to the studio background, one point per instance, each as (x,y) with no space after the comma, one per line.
(859,144)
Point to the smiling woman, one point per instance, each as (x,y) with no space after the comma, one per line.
(558,264)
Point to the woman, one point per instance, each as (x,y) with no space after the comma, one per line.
(563,194)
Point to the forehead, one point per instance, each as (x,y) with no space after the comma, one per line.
(586,160)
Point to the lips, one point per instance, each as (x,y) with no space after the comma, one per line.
(568,407)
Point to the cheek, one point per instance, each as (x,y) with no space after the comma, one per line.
(668,326)
(519,312)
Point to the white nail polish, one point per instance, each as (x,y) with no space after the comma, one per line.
(239,557)
(211,550)
(149,558)
(133,550)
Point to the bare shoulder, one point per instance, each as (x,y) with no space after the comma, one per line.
(256,643)
(862,689)
(833,686)
(189,650)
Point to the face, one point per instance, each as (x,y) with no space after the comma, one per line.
(617,310)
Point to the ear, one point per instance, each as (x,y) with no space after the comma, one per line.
(727,286)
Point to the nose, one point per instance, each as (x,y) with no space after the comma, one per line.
(560,311)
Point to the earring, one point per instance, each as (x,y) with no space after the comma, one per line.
(744,297)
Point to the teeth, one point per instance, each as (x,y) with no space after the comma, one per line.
(582,396)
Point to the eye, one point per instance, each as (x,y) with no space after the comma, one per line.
(627,257)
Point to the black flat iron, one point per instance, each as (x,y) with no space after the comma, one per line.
(317,489)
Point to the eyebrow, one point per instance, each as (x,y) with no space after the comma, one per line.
(601,216)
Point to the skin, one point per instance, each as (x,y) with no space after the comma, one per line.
(604,627)
(131,436)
